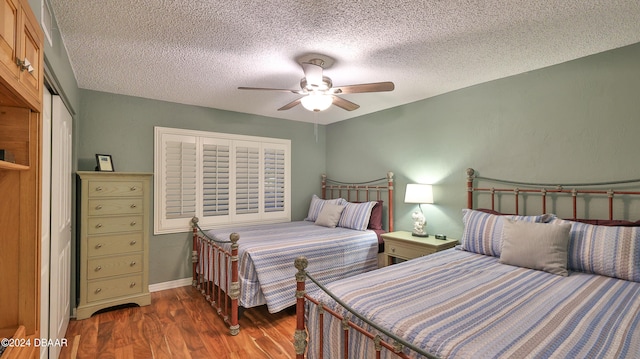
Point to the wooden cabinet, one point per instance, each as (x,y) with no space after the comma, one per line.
(403,245)
(10,12)
(20,182)
(21,86)
(114,240)
(21,43)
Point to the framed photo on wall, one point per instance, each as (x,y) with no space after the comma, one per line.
(105,164)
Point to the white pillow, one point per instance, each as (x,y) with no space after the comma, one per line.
(541,246)
(329,215)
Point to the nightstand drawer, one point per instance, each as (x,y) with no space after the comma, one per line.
(407,251)
(115,244)
(115,189)
(403,245)
(99,225)
(111,266)
(107,206)
(110,288)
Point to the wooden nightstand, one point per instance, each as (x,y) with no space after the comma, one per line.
(403,245)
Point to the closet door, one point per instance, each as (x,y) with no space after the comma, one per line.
(61,177)
(45,241)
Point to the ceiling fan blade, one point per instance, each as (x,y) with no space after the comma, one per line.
(372,87)
(300,92)
(313,74)
(290,105)
(344,104)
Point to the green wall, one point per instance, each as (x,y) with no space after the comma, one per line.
(574,122)
(122,126)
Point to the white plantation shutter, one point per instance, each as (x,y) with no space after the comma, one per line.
(274,179)
(215,179)
(247,171)
(176,156)
(180,194)
(222,179)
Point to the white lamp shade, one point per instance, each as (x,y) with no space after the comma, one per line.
(418,193)
(316,101)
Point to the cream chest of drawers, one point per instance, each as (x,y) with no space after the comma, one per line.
(113,240)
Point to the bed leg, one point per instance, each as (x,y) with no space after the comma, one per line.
(194,252)
(234,292)
(300,336)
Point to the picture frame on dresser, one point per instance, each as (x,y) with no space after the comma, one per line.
(104,163)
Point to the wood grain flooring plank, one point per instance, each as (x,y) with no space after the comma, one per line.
(105,347)
(126,352)
(175,342)
(153,333)
(121,329)
(140,346)
(89,339)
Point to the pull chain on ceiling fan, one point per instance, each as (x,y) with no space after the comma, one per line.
(319,93)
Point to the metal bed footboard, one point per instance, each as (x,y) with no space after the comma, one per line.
(396,347)
(215,273)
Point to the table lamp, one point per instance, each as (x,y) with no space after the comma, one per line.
(420,194)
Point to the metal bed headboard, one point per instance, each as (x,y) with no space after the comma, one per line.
(362,192)
(545,190)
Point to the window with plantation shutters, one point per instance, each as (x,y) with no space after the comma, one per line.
(222,179)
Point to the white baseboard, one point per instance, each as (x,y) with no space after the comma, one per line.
(171,284)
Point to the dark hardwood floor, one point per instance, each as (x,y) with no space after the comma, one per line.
(179,323)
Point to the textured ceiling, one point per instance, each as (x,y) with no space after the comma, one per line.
(198,52)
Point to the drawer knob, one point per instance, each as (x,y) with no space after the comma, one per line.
(133,284)
(133,263)
(133,188)
(133,205)
(98,268)
(99,245)
(99,207)
(98,290)
(99,225)
(98,188)
(133,223)
(393,249)
(133,243)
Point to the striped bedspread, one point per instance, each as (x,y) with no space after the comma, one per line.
(457,304)
(266,254)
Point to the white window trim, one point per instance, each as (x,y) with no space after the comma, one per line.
(162,225)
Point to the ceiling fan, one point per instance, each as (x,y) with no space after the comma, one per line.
(318,91)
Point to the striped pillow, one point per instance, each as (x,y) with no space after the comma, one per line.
(612,251)
(356,215)
(482,232)
(316,206)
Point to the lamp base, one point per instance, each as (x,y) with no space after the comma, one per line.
(423,235)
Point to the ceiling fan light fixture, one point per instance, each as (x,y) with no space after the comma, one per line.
(316,101)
